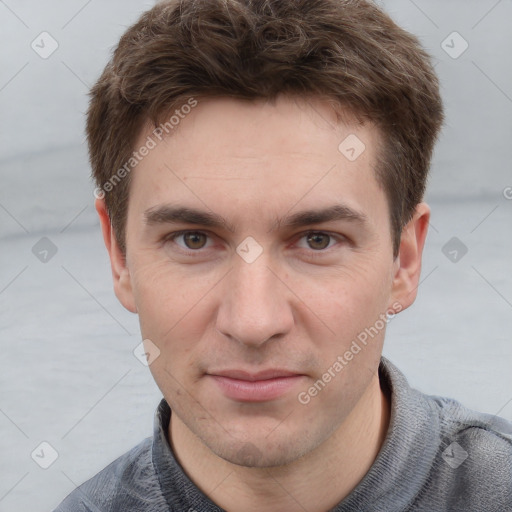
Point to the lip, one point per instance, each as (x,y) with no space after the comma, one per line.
(262,386)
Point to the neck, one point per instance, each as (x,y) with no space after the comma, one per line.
(316,482)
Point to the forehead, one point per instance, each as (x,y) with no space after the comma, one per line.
(259,156)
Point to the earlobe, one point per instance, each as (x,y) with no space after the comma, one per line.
(408,262)
(120,272)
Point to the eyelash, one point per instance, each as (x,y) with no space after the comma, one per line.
(313,254)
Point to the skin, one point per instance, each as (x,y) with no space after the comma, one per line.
(298,306)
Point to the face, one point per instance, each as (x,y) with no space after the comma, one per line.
(257,253)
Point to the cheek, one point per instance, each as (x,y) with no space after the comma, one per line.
(159,298)
(349,300)
(159,289)
(348,356)
(173,309)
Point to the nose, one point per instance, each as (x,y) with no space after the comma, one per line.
(256,305)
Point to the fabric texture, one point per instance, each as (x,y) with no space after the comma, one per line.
(438,456)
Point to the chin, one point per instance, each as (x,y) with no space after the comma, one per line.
(260,452)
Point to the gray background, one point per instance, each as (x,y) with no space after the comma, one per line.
(67,372)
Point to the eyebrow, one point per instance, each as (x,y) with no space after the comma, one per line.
(167,214)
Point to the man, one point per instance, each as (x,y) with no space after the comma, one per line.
(260,170)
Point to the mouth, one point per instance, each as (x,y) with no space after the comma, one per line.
(262,386)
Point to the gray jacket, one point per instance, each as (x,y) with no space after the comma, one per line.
(438,456)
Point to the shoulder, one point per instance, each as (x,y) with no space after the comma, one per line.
(122,486)
(488,437)
(454,458)
(473,467)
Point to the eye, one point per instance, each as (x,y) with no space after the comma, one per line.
(318,240)
(192,240)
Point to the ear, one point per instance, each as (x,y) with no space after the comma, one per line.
(120,272)
(407,265)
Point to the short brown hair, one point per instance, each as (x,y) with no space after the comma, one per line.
(346,50)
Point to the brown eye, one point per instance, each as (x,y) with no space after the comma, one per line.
(318,241)
(195,240)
